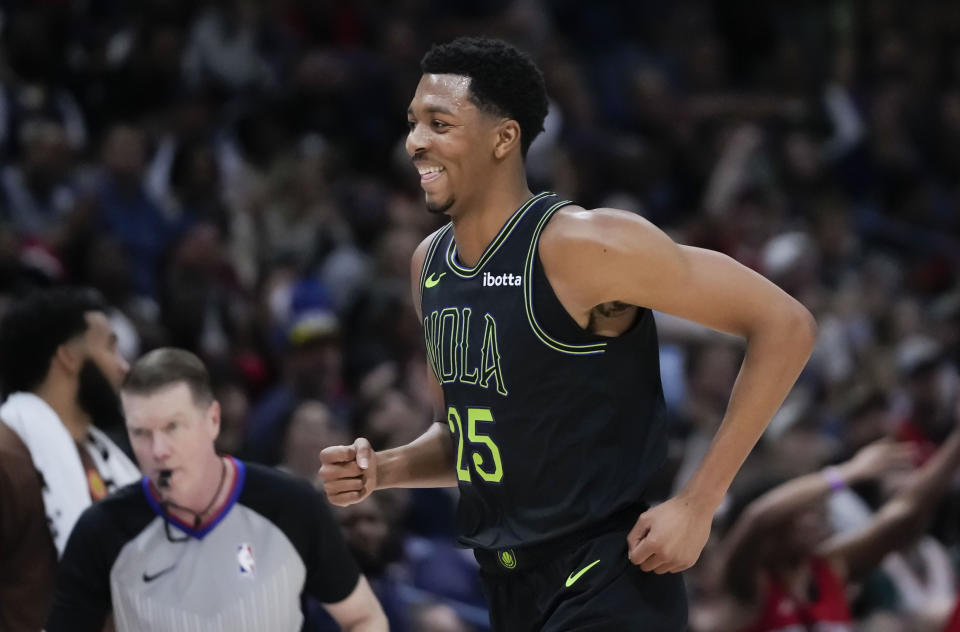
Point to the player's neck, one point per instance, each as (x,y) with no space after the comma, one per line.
(61,396)
(477,226)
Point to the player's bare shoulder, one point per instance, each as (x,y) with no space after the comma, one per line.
(581,251)
(420,253)
(581,236)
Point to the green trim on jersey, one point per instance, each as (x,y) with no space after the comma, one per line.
(469,273)
(431,250)
(572,349)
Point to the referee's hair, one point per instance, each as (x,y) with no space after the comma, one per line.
(34,327)
(168,366)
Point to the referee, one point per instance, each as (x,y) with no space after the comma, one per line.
(202,542)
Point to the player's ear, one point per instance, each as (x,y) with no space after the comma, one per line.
(507,139)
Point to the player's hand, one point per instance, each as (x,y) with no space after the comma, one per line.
(668,538)
(348,472)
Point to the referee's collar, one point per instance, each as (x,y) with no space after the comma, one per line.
(236,487)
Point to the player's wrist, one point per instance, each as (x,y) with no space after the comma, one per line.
(707,498)
(386,474)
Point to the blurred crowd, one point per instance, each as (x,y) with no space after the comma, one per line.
(230,175)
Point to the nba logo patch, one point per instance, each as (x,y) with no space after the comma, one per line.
(245,558)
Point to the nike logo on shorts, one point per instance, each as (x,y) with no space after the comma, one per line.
(572,578)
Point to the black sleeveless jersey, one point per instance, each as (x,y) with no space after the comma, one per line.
(554,428)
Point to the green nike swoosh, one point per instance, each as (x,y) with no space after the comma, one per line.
(571,580)
(430,282)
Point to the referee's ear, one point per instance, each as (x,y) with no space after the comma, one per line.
(213,419)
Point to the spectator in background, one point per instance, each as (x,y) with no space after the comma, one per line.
(299,220)
(18,275)
(203,306)
(35,81)
(230,390)
(782,567)
(37,191)
(222,48)
(390,419)
(311,429)
(127,213)
(196,187)
(922,363)
(384,325)
(61,370)
(437,617)
(105,266)
(374,541)
(311,368)
(953,625)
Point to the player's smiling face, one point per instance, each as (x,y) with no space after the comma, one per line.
(447,141)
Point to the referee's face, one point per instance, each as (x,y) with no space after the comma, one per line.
(170,431)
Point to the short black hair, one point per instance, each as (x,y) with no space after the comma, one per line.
(34,327)
(168,366)
(503,80)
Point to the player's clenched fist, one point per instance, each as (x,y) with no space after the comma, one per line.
(349,472)
(669,538)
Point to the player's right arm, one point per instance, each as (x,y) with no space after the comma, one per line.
(350,473)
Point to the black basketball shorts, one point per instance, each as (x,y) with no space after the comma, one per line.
(586,586)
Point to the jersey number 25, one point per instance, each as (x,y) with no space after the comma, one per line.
(489,469)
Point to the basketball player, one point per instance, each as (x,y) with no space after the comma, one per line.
(203,541)
(543,350)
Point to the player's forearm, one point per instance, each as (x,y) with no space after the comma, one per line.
(424,462)
(776,353)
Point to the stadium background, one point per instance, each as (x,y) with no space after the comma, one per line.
(230,175)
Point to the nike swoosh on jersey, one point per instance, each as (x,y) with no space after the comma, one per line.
(572,578)
(430,282)
(149,578)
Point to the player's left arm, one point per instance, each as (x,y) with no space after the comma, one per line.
(603,256)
